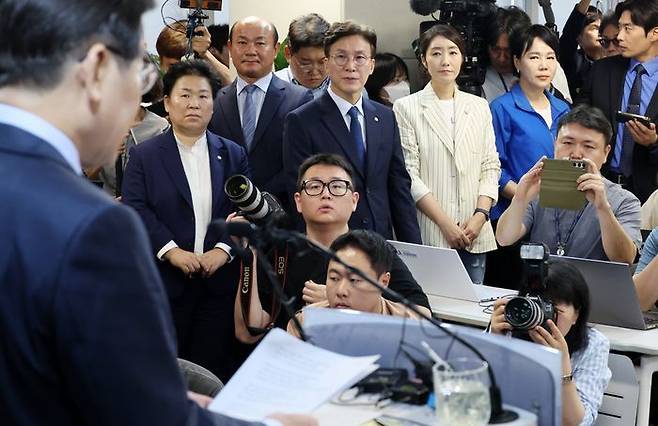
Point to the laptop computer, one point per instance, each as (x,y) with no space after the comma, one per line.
(613,299)
(440,272)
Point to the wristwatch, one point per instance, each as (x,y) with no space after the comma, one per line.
(484,212)
(567,379)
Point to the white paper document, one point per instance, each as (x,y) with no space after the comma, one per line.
(287,375)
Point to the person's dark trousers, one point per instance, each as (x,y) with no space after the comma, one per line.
(504,267)
(205,331)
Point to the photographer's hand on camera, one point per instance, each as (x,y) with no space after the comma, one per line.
(553,338)
(591,183)
(498,323)
(642,134)
(314,292)
(186,261)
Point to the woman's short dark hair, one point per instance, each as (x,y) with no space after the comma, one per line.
(590,118)
(373,245)
(340,30)
(440,30)
(643,13)
(523,38)
(565,284)
(325,160)
(384,73)
(41,36)
(195,67)
(307,31)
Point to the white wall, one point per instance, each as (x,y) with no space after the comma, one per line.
(281,12)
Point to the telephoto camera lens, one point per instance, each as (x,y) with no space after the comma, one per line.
(253,204)
(526,313)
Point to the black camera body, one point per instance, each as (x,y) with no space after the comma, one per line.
(530,309)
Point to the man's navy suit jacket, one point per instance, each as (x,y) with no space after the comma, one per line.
(155,185)
(86,336)
(385,202)
(604,89)
(265,155)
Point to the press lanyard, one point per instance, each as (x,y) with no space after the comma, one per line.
(561,246)
(502,80)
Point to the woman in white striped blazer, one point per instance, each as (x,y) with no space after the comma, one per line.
(449,148)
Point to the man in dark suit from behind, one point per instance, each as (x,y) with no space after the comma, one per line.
(87,337)
(628,83)
(342,122)
(252,109)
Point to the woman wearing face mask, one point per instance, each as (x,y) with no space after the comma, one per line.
(584,350)
(389,81)
(448,143)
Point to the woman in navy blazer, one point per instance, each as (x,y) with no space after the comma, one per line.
(175,182)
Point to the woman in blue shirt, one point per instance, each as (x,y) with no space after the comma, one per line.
(525,119)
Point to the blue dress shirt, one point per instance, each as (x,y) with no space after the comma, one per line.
(649,83)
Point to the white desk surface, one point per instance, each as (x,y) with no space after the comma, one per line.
(470,313)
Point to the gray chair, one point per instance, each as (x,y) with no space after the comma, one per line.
(199,379)
(619,407)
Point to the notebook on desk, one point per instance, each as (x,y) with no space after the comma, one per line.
(440,272)
(613,300)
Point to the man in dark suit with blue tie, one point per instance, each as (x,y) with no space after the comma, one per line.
(252,109)
(87,337)
(342,122)
(175,181)
(628,83)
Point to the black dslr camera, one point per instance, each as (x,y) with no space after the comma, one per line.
(529,309)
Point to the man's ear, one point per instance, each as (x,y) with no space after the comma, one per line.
(384,279)
(287,53)
(355,200)
(298,202)
(92,73)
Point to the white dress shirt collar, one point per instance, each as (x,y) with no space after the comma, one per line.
(263,83)
(343,105)
(37,126)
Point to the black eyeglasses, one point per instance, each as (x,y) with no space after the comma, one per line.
(337,187)
(606,42)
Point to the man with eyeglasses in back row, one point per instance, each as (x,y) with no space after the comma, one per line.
(343,122)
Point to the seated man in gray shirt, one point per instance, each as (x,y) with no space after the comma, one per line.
(606,228)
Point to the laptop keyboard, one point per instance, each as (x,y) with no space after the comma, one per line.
(651,317)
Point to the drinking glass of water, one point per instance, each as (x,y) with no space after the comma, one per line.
(462,393)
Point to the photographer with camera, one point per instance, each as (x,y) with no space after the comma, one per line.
(607,227)
(584,350)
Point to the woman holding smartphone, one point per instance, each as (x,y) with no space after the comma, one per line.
(449,149)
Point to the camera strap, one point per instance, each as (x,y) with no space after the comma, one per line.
(280,262)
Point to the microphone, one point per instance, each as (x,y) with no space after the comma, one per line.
(424,7)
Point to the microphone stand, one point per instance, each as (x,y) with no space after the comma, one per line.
(498,414)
